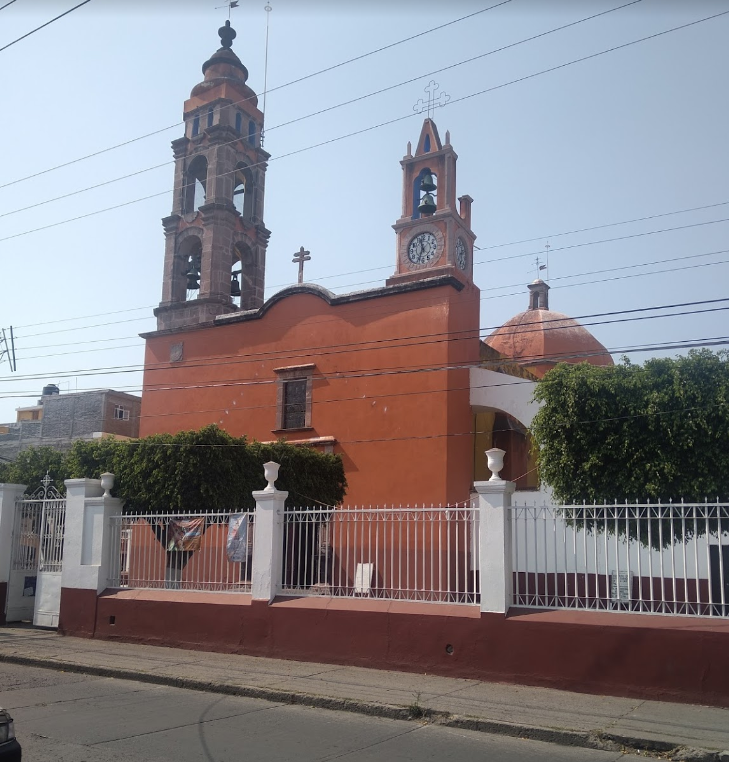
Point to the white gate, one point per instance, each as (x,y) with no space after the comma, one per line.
(34,588)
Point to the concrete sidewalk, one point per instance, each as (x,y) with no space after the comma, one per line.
(677,731)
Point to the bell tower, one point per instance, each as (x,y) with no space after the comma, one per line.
(215,239)
(433,238)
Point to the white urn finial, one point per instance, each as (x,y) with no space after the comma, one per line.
(270,471)
(495,458)
(107,483)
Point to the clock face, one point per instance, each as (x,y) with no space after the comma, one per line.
(461,254)
(422,248)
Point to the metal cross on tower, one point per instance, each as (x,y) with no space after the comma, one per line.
(434,101)
(301,256)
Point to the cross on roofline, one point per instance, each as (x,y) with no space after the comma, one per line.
(434,101)
(301,256)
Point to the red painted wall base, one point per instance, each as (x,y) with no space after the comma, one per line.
(642,656)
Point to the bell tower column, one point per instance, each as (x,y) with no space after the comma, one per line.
(215,234)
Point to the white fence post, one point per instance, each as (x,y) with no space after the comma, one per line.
(494,501)
(9,493)
(87,548)
(268,538)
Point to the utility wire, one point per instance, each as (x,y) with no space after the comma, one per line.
(3,7)
(271,90)
(381,124)
(484,298)
(42,26)
(346,375)
(388,267)
(583,283)
(423,300)
(317,113)
(411,341)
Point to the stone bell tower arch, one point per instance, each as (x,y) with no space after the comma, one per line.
(215,238)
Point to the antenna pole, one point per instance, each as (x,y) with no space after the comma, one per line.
(12,349)
(268,10)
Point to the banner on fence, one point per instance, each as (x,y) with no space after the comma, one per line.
(185,534)
(237,544)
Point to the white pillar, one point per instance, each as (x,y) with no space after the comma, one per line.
(86,546)
(9,493)
(268,538)
(494,501)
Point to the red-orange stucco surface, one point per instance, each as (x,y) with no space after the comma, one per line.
(390,383)
(654,657)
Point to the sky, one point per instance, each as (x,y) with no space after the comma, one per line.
(600,143)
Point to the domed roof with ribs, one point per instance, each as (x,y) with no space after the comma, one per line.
(539,338)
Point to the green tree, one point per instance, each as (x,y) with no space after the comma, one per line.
(31,465)
(656,431)
(205,471)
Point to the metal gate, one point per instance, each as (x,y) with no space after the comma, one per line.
(34,588)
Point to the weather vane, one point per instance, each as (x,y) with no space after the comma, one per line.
(433,100)
(539,265)
(229,5)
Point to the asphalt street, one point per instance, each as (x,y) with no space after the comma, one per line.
(61,717)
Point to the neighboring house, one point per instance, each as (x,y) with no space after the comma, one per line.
(58,419)
(384,377)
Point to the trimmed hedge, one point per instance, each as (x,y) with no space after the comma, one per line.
(199,471)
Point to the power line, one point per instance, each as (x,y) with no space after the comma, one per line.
(42,26)
(717,341)
(322,111)
(587,282)
(414,341)
(483,298)
(387,267)
(425,299)
(271,90)
(3,7)
(605,240)
(380,124)
(599,227)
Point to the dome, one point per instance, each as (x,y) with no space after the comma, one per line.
(539,338)
(225,66)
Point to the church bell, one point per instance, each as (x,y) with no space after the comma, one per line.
(193,282)
(234,285)
(427,204)
(427,184)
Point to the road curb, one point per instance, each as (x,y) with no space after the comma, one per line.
(415,712)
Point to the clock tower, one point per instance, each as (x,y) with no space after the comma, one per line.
(433,237)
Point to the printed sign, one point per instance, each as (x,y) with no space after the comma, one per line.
(620,584)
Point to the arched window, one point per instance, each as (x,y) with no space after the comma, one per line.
(194,191)
(418,193)
(243,191)
(426,144)
(238,122)
(239,192)
(211,114)
(252,132)
(190,258)
(196,126)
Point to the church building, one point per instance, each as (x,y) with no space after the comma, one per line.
(383,377)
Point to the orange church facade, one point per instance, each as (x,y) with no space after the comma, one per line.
(380,377)
(386,378)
